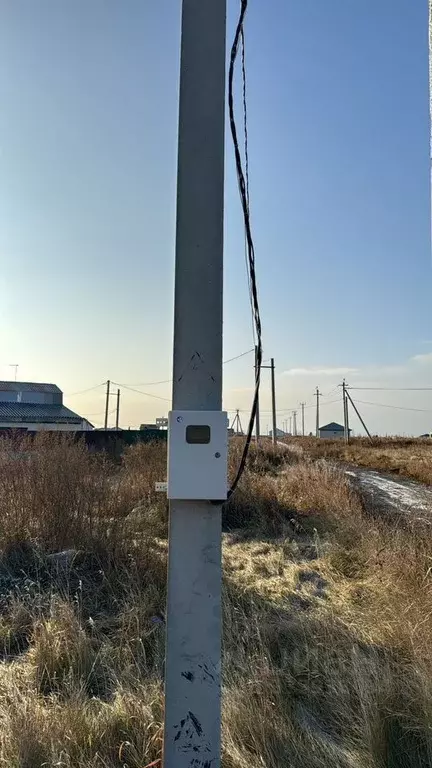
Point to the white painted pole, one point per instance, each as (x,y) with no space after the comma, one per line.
(193,645)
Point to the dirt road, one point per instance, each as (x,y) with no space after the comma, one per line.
(387,495)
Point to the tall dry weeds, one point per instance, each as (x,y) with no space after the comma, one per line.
(327,612)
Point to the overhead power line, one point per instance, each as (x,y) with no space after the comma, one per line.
(282,411)
(140,392)
(392,389)
(83,391)
(100,413)
(237,357)
(396,407)
(169,381)
(149,383)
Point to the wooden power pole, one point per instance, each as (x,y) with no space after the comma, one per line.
(345,411)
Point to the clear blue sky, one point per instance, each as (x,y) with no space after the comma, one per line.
(339,127)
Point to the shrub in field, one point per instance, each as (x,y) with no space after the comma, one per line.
(52,490)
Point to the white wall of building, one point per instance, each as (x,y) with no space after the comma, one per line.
(329,434)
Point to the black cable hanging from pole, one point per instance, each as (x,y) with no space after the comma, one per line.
(243,182)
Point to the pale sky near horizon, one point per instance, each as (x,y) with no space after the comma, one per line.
(339,161)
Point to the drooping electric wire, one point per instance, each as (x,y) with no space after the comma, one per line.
(246,159)
(395,407)
(243,182)
(392,389)
(140,392)
(83,391)
(168,381)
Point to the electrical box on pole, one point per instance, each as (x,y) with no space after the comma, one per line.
(197,455)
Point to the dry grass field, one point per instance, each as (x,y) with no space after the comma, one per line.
(411,458)
(327,616)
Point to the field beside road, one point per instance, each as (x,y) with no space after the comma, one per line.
(327,615)
(407,457)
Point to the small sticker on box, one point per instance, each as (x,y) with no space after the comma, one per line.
(161,487)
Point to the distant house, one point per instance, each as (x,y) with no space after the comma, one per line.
(161,423)
(279,433)
(332,431)
(32,406)
(427,434)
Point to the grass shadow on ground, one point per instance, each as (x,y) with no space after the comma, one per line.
(302,689)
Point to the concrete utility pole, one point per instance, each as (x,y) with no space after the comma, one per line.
(358,414)
(290,425)
(118,409)
(317,426)
(257,415)
(303,407)
(193,641)
(345,410)
(273,386)
(273,391)
(237,425)
(107,397)
(295,423)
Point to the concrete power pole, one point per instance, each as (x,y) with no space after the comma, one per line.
(303,423)
(118,409)
(290,425)
(273,388)
(345,411)
(107,397)
(317,426)
(347,394)
(295,423)
(193,641)
(257,416)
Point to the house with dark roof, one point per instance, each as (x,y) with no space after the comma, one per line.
(332,431)
(33,406)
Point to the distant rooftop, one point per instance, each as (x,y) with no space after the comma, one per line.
(332,427)
(28,386)
(35,413)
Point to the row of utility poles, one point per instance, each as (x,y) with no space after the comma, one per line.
(290,423)
(292,419)
(270,367)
